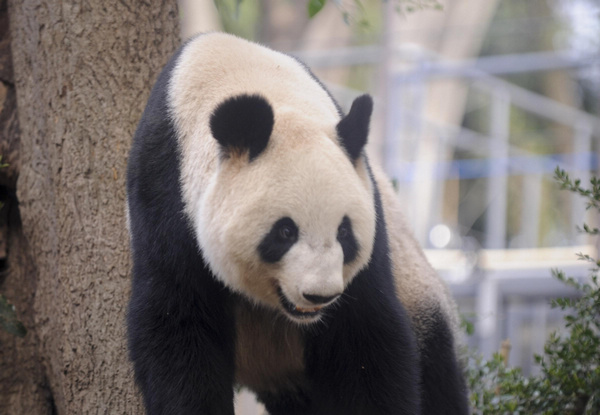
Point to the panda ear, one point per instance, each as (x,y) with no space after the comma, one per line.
(353,129)
(243,123)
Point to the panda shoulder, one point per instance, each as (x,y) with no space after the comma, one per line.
(418,285)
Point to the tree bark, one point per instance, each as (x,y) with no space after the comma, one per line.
(83,72)
(23,387)
(9,125)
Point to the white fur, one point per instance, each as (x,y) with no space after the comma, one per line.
(127,218)
(303,173)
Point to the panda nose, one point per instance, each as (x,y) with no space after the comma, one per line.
(319,299)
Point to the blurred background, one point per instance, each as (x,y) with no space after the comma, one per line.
(476,104)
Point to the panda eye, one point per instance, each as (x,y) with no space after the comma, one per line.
(342,232)
(286,233)
(346,238)
(282,236)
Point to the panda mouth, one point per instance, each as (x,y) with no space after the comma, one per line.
(296,311)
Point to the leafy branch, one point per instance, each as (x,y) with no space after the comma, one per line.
(8,318)
(592,195)
(569,379)
(400,6)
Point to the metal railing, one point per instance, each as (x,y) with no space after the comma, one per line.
(505,295)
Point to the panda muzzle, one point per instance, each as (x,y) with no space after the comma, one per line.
(296,311)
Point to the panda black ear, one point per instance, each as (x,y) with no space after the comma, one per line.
(243,123)
(353,129)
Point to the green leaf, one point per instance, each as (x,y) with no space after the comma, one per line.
(315,6)
(467,325)
(8,319)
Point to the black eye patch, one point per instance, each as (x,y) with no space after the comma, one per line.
(282,236)
(345,237)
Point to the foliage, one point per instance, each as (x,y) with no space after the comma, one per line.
(569,379)
(401,6)
(315,6)
(592,195)
(8,318)
(241,18)
(353,11)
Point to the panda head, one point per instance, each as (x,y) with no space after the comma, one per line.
(288,219)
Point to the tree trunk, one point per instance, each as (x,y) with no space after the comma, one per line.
(23,387)
(82,73)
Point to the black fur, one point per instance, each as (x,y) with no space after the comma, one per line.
(443,386)
(180,325)
(296,403)
(361,359)
(353,129)
(282,236)
(347,240)
(243,123)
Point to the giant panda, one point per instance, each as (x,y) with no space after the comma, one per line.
(269,253)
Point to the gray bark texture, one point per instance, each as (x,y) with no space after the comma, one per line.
(82,74)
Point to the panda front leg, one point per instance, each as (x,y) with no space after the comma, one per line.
(296,402)
(442,382)
(365,361)
(181,351)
